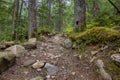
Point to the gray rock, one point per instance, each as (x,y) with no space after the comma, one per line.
(37,78)
(103,73)
(28,62)
(7,59)
(116,59)
(68,43)
(51,69)
(18,50)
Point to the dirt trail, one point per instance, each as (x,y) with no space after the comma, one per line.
(52,51)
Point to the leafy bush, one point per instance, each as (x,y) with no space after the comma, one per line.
(44,29)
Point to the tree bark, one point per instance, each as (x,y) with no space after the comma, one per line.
(59,24)
(32,19)
(15,18)
(95,9)
(79,15)
(49,13)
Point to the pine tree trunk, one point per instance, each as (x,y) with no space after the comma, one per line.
(15,18)
(79,15)
(49,13)
(32,19)
(95,9)
(59,24)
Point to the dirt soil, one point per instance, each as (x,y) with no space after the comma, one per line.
(51,50)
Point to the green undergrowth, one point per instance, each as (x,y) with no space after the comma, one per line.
(95,35)
(67,30)
(44,29)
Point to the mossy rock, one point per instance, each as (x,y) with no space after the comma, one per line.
(96,35)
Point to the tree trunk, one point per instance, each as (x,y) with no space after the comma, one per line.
(59,24)
(117,9)
(95,9)
(15,18)
(32,19)
(79,15)
(49,13)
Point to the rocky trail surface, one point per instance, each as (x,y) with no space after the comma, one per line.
(51,60)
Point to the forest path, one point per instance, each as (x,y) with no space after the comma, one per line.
(51,50)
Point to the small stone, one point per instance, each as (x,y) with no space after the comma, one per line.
(38,70)
(48,76)
(63,67)
(33,55)
(93,59)
(51,69)
(80,56)
(38,64)
(26,72)
(103,48)
(94,52)
(37,78)
(73,73)
(52,77)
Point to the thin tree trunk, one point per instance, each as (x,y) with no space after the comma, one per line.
(59,24)
(95,9)
(79,15)
(49,13)
(15,18)
(32,23)
(118,11)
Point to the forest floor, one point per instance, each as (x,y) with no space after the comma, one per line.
(51,50)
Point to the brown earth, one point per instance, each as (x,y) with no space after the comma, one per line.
(51,50)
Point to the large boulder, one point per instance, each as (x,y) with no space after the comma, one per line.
(7,59)
(31,44)
(116,59)
(17,50)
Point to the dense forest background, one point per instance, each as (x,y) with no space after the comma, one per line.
(54,16)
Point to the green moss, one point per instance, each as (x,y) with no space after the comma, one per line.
(99,35)
(95,35)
